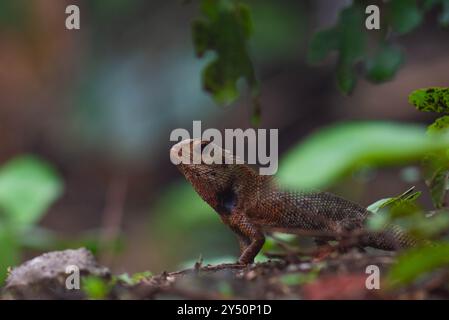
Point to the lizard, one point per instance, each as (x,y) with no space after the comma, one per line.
(252,204)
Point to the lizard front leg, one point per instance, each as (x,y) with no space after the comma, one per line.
(251,239)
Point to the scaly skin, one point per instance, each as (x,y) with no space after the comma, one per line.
(251,204)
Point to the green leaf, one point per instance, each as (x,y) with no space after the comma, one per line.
(428,227)
(408,195)
(225,30)
(323,43)
(438,185)
(439,126)
(416,262)
(139,276)
(28,186)
(336,151)
(351,35)
(273,22)
(379,204)
(384,65)
(352,46)
(9,251)
(134,279)
(95,287)
(349,39)
(377,222)
(404,15)
(430,99)
(346,78)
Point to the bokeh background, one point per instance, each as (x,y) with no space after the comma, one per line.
(97,105)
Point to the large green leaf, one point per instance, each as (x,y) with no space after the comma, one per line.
(330,153)
(416,262)
(28,186)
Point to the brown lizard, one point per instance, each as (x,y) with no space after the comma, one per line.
(252,204)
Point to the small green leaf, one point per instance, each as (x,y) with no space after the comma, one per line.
(28,186)
(139,276)
(384,65)
(349,39)
(323,43)
(346,78)
(416,262)
(378,221)
(379,204)
(9,251)
(429,227)
(96,288)
(352,36)
(438,185)
(134,279)
(125,278)
(407,196)
(225,29)
(404,15)
(439,126)
(430,99)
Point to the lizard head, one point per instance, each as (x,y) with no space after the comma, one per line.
(217,183)
(197,160)
(214,182)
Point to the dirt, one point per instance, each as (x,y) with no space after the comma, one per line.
(313,275)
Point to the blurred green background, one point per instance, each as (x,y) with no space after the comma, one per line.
(85,117)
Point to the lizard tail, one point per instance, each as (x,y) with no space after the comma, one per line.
(391,239)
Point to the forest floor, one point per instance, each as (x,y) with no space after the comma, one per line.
(313,275)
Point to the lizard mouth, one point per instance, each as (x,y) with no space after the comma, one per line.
(175,151)
(183,151)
